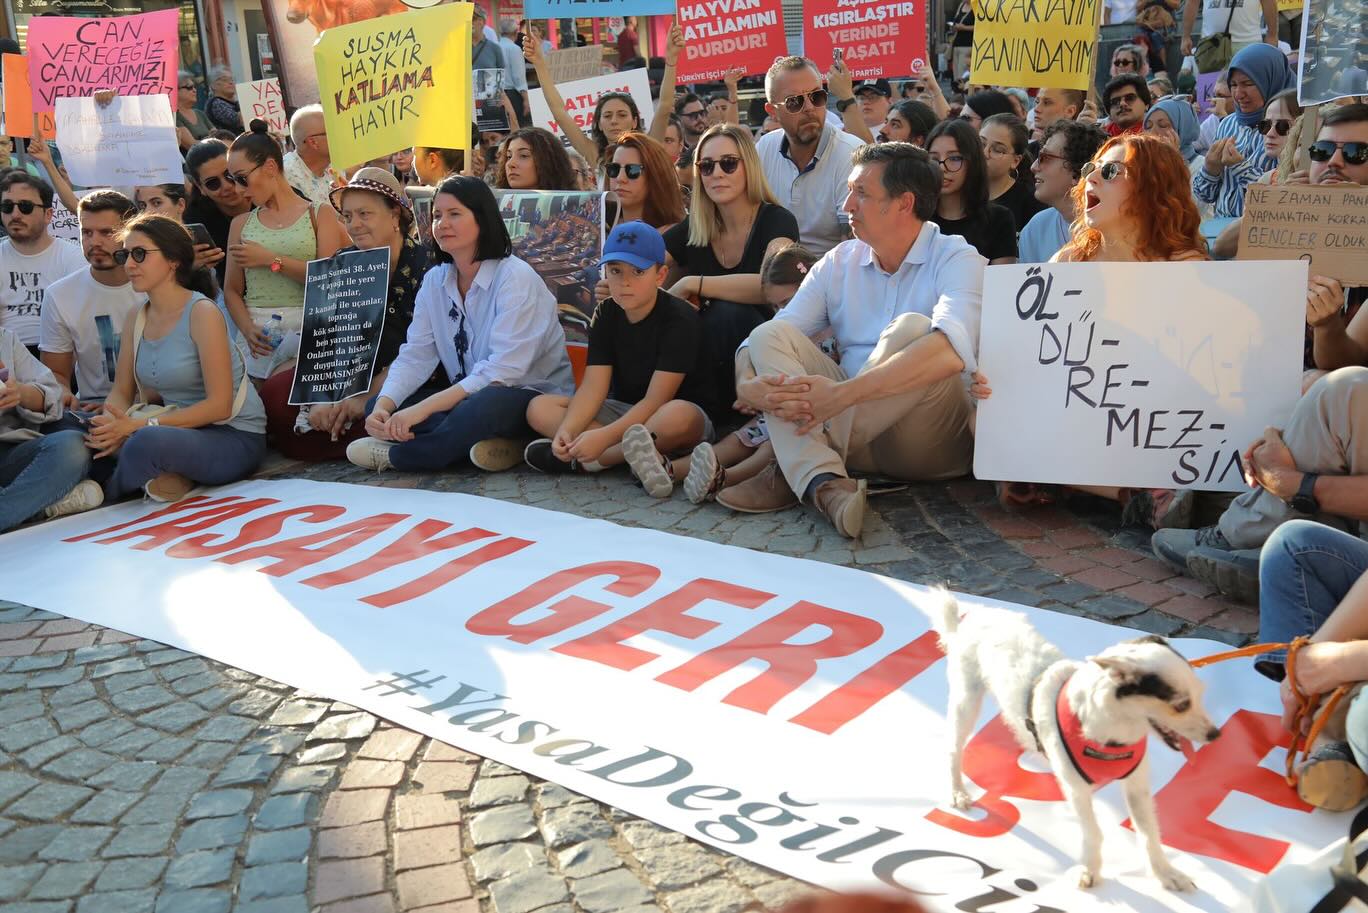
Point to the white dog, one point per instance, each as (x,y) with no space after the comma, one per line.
(1090,719)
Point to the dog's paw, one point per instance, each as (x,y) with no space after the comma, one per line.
(1175,880)
(1087,878)
(960,799)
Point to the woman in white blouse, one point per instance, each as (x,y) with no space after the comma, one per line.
(488,321)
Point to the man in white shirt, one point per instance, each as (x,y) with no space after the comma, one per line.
(903,303)
(806,162)
(515,68)
(1241,17)
(308,166)
(84,314)
(31,259)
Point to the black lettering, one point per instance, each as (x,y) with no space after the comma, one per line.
(1150,431)
(1184,465)
(1107,384)
(1073,389)
(1132,419)
(1192,427)
(1054,337)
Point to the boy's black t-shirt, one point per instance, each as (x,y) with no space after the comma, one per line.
(667,339)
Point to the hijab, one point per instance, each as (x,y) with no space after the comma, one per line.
(1184,121)
(1268,69)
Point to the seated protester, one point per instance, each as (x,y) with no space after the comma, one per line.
(85,313)
(642,389)
(896,403)
(168,200)
(488,321)
(980,106)
(584,174)
(1010,185)
(216,203)
(1067,147)
(1236,157)
(1135,209)
(907,122)
(673,141)
(1281,130)
(1174,120)
(1052,105)
(533,159)
(177,348)
(40,474)
(642,176)
(269,250)
(376,213)
(432,165)
(1126,98)
(962,206)
(401,166)
(716,254)
(308,166)
(30,256)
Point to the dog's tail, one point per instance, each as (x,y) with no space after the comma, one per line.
(944,614)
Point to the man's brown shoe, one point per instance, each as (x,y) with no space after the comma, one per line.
(842,501)
(766,492)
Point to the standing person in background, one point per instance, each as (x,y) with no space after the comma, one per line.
(963,208)
(222,106)
(515,70)
(31,259)
(218,201)
(1238,17)
(627,41)
(168,200)
(1010,183)
(875,97)
(961,40)
(191,124)
(1129,60)
(584,175)
(1068,146)
(308,167)
(980,106)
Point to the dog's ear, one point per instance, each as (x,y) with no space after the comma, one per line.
(1122,671)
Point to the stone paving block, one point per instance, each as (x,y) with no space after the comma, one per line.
(279,846)
(127,681)
(99,654)
(505,860)
(14,784)
(212,833)
(156,807)
(182,780)
(174,718)
(57,679)
(280,879)
(778,894)
(553,795)
(298,713)
(343,728)
(352,842)
(194,684)
(430,846)
(38,663)
(117,902)
(219,803)
(642,834)
(264,741)
(131,874)
(68,642)
(129,776)
(443,777)
(391,745)
(588,858)
(18,736)
(139,840)
(103,732)
(441,751)
(19,707)
(297,903)
(14,880)
(354,807)
(226,729)
(200,869)
(65,879)
(61,626)
(197,900)
(717,896)
(528,891)
(210,754)
(130,743)
(433,885)
(498,791)
(502,825)
(352,878)
(186,663)
(104,807)
(78,715)
(310,778)
(417,811)
(748,873)
(165,748)
(257,702)
(217,696)
(279,812)
(573,824)
(118,667)
(136,700)
(375,903)
(677,865)
(76,844)
(320,754)
(24,843)
(361,774)
(610,892)
(248,769)
(47,801)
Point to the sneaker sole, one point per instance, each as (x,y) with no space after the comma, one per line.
(80,506)
(640,450)
(169,497)
(497,454)
(1226,576)
(702,469)
(1333,785)
(722,499)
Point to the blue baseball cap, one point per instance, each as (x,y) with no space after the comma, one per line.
(635,243)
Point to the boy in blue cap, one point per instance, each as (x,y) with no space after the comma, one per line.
(643,392)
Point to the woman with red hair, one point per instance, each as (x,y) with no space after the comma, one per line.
(1135,206)
(643,177)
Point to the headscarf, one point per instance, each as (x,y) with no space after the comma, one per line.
(1184,121)
(1268,69)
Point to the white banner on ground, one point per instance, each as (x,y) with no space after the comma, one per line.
(583,94)
(787,711)
(1149,375)
(130,141)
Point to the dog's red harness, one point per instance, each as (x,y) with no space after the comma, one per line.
(1097,762)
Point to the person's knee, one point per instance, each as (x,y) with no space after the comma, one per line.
(677,417)
(773,333)
(545,413)
(1337,394)
(146,443)
(70,450)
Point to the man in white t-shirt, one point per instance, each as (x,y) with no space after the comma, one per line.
(1251,21)
(84,314)
(31,259)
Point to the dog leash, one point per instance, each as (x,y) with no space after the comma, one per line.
(1306,703)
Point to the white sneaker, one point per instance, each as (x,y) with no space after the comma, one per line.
(638,446)
(87,495)
(370,453)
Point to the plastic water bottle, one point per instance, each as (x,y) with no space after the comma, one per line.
(274,330)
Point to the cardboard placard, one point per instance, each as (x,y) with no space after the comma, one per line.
(344,314)
(878,37)
(723,34)
(582,95)
(263,100)
(129,142)
(1324,224)
(560,234)
(1098,380)
(1035,45)
(571,64)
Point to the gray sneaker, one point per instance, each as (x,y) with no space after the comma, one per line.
(1172,546)
(1233,572)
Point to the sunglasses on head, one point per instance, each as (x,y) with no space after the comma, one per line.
(24,206)
(794,103)
(1107,171)
(729,164)
(1281,125)
(136,254)
(633,170)
(1324,150)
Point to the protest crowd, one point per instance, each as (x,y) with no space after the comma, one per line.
(778,305)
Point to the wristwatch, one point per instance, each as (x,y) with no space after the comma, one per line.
(277,265)
(1304,501)
(843,104)
(152,422)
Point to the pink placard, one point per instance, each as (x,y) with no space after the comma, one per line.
(133,55)
(722,34)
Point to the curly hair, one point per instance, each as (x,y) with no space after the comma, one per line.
(664,200)
(1160,206)
(554,171)
(1081,142)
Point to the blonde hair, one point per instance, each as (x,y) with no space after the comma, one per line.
(705,221)
(1291,151)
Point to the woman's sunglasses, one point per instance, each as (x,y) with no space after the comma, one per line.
(728,163)
(794,103)
(1108,171)
(1323,151)
(1281,125)
(238,179)
(136,254)
(633,170)
(24,206)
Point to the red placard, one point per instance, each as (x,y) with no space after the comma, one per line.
(879,37)
(722,34)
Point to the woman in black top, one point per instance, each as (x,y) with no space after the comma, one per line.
(1010,181)
(963,208)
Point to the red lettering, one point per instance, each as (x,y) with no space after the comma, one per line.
(254,531)
(668,614)
(297,553)
(447,572)
(790,665)
(161,533)
(414,544)
(629,579)
(871,686)
(197,501)
(992,760)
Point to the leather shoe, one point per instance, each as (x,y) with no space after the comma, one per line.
(769,491)
(842,501)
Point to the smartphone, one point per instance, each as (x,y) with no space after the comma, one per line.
(4,375)
(200,234)
(838,55)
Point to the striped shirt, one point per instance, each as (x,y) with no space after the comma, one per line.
(1226,192)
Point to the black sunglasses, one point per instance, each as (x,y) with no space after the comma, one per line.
(1321,151)
(1108,171)
(138,254)
(239,179)
(213,184)
(633,170)
(24,206)
(1118,100)
(794,103)
(701,112)
(1281,125)
(729,165)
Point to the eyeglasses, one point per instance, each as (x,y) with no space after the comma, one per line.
(1129,98)
(729,164)
(28,206)
(701,112)
(1108,171)
(238,179)
(1281,125)
(950,163)
(1323,151)
(213,184)
(1049,157)
(635,170)
(1123,63)
(188,87)
(996,148)
(136,254)
(794,103)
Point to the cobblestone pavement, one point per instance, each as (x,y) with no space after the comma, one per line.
(135,777)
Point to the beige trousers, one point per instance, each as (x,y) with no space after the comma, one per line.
(919,435)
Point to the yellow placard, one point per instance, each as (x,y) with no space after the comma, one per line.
(1035,43)
(396,81)
(1290,6)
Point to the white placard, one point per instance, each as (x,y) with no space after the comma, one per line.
(583,94)
(130,141)
(262,100)
(65,223)
(1148,375)
(791,712)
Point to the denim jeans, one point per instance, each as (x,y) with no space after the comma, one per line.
(1305,570)
(444,438)
(36,473)
(215,455)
